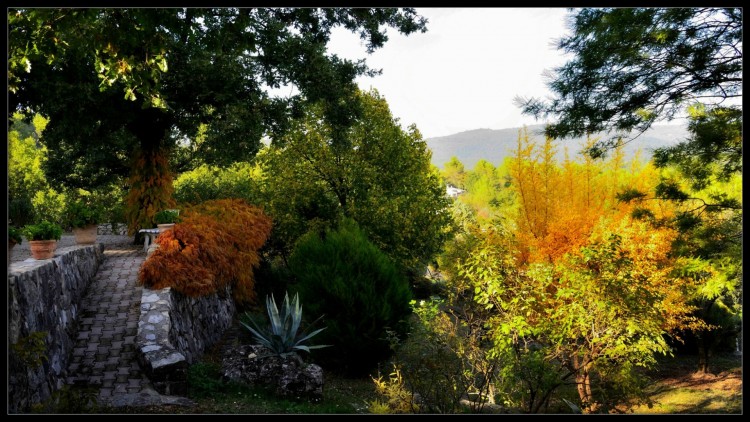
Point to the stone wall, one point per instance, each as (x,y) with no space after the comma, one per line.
(44,296)
(174,330)
(106,229)
(198,323)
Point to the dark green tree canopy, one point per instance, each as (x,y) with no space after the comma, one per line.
(383,180)
(713,150)
(634,66)
(114,79)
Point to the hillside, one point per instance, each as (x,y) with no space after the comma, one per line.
(494,145)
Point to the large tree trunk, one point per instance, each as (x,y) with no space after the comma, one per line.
(707,339)
(704,351)
(150,189)
(583,384)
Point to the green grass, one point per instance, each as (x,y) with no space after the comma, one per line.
(340,395)
(675,389)
(680,390)
(214,395)
(688,400)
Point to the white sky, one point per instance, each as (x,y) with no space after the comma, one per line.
(464,72)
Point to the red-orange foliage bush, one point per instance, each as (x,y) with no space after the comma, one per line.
(216,244)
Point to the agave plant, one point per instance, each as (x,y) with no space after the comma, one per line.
(281,336)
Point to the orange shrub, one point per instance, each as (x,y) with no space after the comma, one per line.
(216,244)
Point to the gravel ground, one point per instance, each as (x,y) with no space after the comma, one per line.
(21,252)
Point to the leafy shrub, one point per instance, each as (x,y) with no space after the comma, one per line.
(442,361)
(216,245)
(49,205)
(394,397)
(43,231)
(110,201)
(167,217)
(21,211)
(360,292)
(14,234)
(204,379)
(80,214)
(26,158)
(282,337)
(208,183)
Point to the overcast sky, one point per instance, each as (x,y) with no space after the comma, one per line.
(464,72)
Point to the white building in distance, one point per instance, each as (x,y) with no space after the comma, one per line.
(453,191)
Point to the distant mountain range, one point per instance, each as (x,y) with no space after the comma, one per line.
(494,145)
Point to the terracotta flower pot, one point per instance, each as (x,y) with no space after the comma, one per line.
(85,235)
(42,249)
(164,227)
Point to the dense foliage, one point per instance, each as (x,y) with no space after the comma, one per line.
(600,312)
(81,214)
(167,217)
(123,85)
(560,205)
(14,235)
(713,152)
(205,183)
(216,245)
(361,294)
(381,177)
(485,189)
(702,177)
(31,197)
(633,66)
(44,230)
(570,288)
(444,360)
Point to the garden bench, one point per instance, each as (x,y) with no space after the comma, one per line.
(149,236)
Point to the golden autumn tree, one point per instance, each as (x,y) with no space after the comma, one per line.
(576,290)
(591,318)
(559,205)
(611,306)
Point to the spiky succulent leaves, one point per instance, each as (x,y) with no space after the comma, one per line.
(300,346)
(257,333)
(281,337)
(293,314)
(273,315)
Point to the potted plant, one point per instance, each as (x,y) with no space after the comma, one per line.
(83,219)
(14,237)
(42,239)
(166,219)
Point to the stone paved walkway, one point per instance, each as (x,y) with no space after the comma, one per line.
(104,355)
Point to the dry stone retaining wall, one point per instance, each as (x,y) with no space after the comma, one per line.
(175,330)
(107,229)
(44,296)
